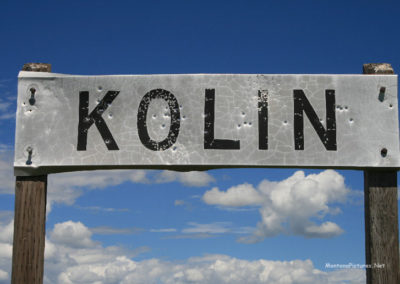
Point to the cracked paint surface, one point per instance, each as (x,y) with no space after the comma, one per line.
(365,123)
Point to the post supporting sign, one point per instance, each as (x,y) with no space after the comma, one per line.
(200,122)
(381,215)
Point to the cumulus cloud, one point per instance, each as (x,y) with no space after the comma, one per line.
(241,195)
(72,234)
(186,178)
(90,262)
(289,205)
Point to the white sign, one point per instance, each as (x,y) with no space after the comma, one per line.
(203,121)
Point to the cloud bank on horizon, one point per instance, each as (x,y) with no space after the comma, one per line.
(73,257)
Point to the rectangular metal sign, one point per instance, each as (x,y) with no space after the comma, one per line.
(203,121)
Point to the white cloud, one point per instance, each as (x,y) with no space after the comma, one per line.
(241,195)
(4,105)
(67,187)
(7,116)
(4,275)
(7,232)
(213,228)
(66,263)
(7,179)
(5,250)
(6,110)
(106,230)
(6,239)
(186,178)
(325,230)
(288,206)
(179,202)
(202,231)
(102,209)
(164,230)
(72,234)
(190,236)
(209,269)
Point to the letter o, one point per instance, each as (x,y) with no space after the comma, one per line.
(175,120)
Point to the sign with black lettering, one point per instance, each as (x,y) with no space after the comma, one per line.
(204,121)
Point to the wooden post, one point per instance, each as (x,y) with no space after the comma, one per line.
(381,215)
(29,220)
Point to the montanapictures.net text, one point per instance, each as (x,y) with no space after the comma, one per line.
(354,266)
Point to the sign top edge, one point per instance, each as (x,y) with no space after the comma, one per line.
(29,74)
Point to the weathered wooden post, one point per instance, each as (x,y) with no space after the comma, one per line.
(29,220)
(381,214)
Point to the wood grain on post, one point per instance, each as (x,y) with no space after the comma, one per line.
(29,220)
(381,215)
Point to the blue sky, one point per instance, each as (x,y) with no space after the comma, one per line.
(166,227)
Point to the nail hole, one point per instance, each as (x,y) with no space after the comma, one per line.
(384,152)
